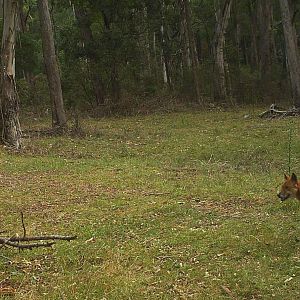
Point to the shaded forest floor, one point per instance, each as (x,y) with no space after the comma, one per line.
(168,206)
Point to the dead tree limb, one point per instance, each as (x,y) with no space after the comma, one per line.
(22,242)
(276,112)
(43,238)
(7,242)
(16,242)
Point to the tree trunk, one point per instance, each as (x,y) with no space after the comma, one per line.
(292,51)
(115,83)
(87,41)
(51,64)
(222,17)
(186,56)
(165,59)
(265,38)
(273,41)
(237,33)
(146,38)
(191,47)
(22,17)
(253,26)
(10,125)
(156,67)
(28,74)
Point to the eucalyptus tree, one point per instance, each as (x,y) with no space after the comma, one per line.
(110,52)
(222,17)
(264,8)
(292,51)
(189,46)
(51,64)
(84,22)
(9,118)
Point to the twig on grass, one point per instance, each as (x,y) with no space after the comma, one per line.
(7,242)
(42,238)
(22,242)
(16,241)
(228,291)
(23,225)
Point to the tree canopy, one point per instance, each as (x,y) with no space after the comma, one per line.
(123,53)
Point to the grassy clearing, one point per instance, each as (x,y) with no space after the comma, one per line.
(175,206)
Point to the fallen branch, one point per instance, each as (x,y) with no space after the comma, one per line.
(42,238)
(276,112)
(15,241)
(7,242)
(22,242)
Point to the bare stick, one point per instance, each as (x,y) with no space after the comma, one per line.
(23,225)
(21,242)
(15,241)
(42,238)
(26,246)
(4,241)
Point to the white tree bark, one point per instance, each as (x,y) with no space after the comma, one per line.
(163,57)
(164,54)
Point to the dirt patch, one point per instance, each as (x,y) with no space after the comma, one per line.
(235,207)
(41,192)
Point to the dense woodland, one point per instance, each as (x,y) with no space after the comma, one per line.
(112,56)
(134,129)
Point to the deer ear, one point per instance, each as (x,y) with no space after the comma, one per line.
(294,178)
(286,177)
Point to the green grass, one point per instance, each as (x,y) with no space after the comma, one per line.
(169,206)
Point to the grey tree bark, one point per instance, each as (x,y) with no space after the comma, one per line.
(190,49)
(51,65)
(265,37)
(292,51)
(253,29)
(9,125)
(165,59)
(222,17)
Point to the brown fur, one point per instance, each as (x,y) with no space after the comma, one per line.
(290,188)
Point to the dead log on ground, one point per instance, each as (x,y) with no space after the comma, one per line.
(277,112)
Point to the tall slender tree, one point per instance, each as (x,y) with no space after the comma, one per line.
(265,37)
(165,57)
(253,22)
(222,17)
(9,125)
(190,47)
(292,51)
(51,64)
(84,24)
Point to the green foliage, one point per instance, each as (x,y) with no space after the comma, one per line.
(122,45)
